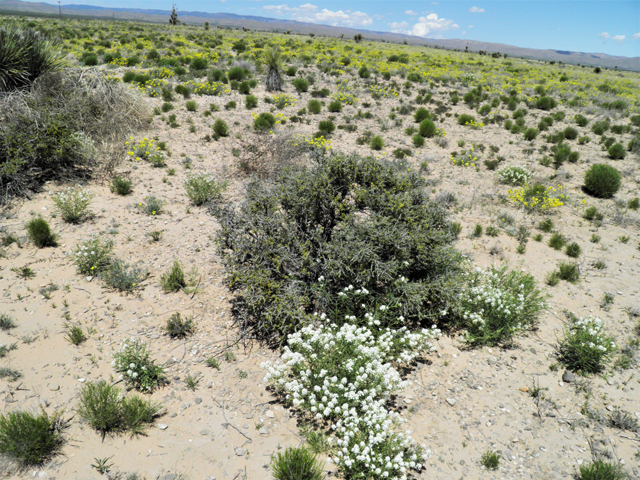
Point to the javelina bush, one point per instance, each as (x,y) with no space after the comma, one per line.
(292,246)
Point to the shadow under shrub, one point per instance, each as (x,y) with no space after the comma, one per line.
(292,246)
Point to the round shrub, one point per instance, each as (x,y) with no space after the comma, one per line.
(570,133)
(301,85)
(244,88)
(546,103)
(264,122)
(616,152)
(221,128)
(530,134)
(421,114)
(335,106)
(377,143)
(153,54)
(427,128)
(40,233)
(581,120)
(418,141)
(465,118)
(314,106)
(29,439)
(197,64)
(326,126)
(91,60)
(293,246)
(602,180)
(296,464)
(236,73)
(250,102)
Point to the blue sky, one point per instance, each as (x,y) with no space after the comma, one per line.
(594,26)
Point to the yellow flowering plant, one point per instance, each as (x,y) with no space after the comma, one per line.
(537,197)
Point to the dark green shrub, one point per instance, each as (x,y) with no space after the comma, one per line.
(272,246)
(198,64)
(177,327)
(421,114)
(173,280)
(546,103)
(236,73)
(90,60)
(29,439)
(314,106)
(326,127)
(427,128)
(220,128)
(546,225)
(25,55)
(291,71)
(183,90)
(602,470)
(301,85)
(167,107)
(244,88)
(250,102)
(191,105)
(230,105)
(570,133)
(335,106)
(264,122)
(557,241)
(418,141)
(530,134)
(377,143)
(602,181)
(569,272)
(296,464)
(634,144)
(616,152)
(581,120)
(465,119)
(600,127)
(153,54)
(560,154)
(558,116)
(40,233)
(573,250)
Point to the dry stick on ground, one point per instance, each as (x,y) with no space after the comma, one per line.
(230,424)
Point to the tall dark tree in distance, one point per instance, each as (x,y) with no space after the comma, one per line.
(173,19)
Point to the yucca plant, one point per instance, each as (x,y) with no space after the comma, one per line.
(272,59)
(26,54)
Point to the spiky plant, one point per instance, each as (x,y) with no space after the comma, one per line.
(272,59)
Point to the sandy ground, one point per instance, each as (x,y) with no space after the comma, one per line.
(461,404)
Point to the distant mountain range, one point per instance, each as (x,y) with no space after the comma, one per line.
(275,25)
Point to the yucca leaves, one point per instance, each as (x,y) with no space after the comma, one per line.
(26,54)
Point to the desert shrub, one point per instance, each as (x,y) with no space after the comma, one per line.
(191,105)
(602,470)
(301,85)
(616,152)
(72,203)
(220,128)
(93,256)
(121,185)
(465,119)
(264,122)
(573,250)
(230,105)
(244,88)
(570,133)
(377,143)
(592,213)
(537,197)
(546,225)
(335,106)
(25,55)
(498,304)
(569,272)
(151,205)
(581,120)
(421,114)
(107,410)
(272,245)
(6,322)
(296,464)
(427,128)
(250,102)
(314,106)
(177,327)
(557,240)
(40,233)
(514,175)
(203,188)
(236,73)
(546,103)
(29,439)
(123,277)
(266,157)
(326,127)
(600,127)
(173,280)
(198,64)
(490,460)
(602,181)
(530,134)
(418,141)
(585,347)
(136,367)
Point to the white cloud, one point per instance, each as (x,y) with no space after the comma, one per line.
(476,10)
(310,13)
(470,26)
(398,27)
(435,3)
(619,38)
(432,24)
(412,13)
(604,35)
(636,36)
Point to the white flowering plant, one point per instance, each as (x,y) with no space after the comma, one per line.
(72,203)
(136,368)
(515,175)
(499,303)
(585,347)
(93,256)
(343,377)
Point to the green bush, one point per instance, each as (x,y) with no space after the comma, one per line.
(301,85)
(220,128)
(72,203)
(427,128)
(40,233)
(203,188)
(236,73)
(174,279)
(530,134)
(104,407)
(581,120)
(585,347)
(418,140)
(263,122)
(198,64)
(29,439)
(465,119)
(570,133)
(489,322)
(123,277)
(25,55)
(250,102)
(244,88)
(191,105)
(136,367)
(377,143)
(292,248)
(546,103)
(335,106)
(602,181)
(326,127)
(314,106)
(296,464)
(121,185)
(93,256)
(616,152)
(602,470)
(422,114)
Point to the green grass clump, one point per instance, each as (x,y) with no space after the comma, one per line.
(427,128)
(592,213)
(377,143)
(573,250)
(220,128)
(75,335)
(121,185)
(177,327)
(569,272)
(546,225)
(108,411)
(173,280)
(557,241)
(490,460)
(40,233)
(326,127)
(296,464)
(602,180)
(6,322)
(602,470)
(314,106)
(203,188)
(28,439)
(73,203)
(335,106)
(250,102)
(191,105)
(123,277)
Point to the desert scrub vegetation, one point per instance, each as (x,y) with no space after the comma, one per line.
(585,346)
(296,464)
(602,180)
(73,203)
(107,410)
(40,233)
(272,245)
(93,256)
(203,188)
(514,175)
(134,364)
(30,439)
(498,304)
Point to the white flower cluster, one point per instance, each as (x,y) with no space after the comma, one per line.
(514,175)
(590,332)
(133,350)
(72,202)
(345,375)
(93,255)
